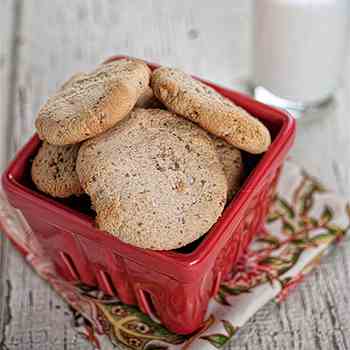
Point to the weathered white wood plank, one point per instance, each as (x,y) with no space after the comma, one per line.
(7,48)
(323,145)
(208,39)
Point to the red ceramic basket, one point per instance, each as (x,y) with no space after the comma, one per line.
(174,286)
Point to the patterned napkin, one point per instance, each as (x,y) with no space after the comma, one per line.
(305,221)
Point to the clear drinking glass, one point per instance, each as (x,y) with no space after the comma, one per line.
(299,51)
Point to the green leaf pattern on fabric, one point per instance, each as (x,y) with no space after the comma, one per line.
(218,340)
(301,229)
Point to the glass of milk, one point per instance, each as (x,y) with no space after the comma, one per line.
(299,51)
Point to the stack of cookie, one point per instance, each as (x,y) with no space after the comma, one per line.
(158,153)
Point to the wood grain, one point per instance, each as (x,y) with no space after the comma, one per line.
(44,47)
(7,49)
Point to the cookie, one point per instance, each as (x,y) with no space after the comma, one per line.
(53,170)
(155,180)
(89,104)
(231,160)
(148,100)
(201,104)
(75,77)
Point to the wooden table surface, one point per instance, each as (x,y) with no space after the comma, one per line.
(43,42)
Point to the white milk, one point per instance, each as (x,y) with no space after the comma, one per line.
(299,47)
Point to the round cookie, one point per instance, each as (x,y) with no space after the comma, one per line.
(155,180)
(201,104)
(53,170)
(89,104)
(231,160)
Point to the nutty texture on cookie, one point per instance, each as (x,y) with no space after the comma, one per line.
(201,104)
(155,180)
(232,162)
(53,170)
(89,104)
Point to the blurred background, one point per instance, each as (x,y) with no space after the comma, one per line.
(44,42)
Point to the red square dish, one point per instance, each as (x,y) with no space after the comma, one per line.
(174,286)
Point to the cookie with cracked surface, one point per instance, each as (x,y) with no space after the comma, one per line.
(194,100)
(232,162)
(53,170)
(155,180)
(89,104)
